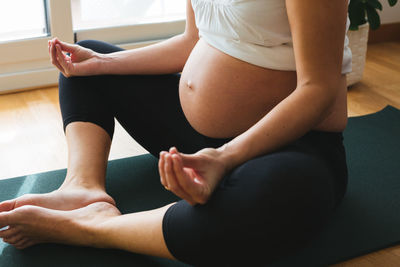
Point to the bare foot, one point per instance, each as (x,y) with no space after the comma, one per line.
(65,198)
(30,225)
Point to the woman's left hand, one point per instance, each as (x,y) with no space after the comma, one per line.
(192,177)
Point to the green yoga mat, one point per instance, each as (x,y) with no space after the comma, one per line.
(367,220)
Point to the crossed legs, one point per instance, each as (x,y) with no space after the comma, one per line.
(80,212)
(279,199)
(88,148)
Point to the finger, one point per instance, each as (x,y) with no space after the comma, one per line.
(61,59)
(188,185)
(8,233)
(53,41)
(169,177)
(49,43)
(173,150)
(54,59)
(60,53)
(66,46)
(51,52)
(13,239)
(188,160)
(172,181)
(161,163)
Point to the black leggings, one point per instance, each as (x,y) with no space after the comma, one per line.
(261,211)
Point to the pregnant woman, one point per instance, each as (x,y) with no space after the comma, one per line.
(245,111)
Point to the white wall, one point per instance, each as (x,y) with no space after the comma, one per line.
(389,14)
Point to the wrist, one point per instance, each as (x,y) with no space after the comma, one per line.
(229,157)
(103,62)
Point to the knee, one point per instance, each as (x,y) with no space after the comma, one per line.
(91,44)
(66,83)
(99,46)
(62,80)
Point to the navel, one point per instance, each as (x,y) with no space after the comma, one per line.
(189,84)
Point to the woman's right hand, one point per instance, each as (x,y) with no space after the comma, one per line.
(80,61)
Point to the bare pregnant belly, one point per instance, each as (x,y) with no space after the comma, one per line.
(222,96)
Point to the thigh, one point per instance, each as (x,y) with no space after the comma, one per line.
(147,106)
(264,209)
(83,98)
(149,109)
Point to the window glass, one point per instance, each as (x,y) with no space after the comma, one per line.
(89,14)
(21,19)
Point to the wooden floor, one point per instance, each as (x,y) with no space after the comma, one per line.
(32,139)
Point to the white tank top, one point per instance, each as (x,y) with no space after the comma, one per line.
(255,31)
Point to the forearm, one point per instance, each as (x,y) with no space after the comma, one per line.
(165,57)
(318,56)
(283,124)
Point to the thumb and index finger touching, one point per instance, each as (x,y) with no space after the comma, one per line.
(191,161)
(59,59)
(64,46)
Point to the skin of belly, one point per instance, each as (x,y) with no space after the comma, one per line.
(222,96)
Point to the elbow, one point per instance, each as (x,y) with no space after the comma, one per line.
(328,98)
(190,40)
(334,91)
(325,91)
(322,97)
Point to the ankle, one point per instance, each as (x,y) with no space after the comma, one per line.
(98,229)
(82,183)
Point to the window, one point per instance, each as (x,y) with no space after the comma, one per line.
(27,25)
(127,22)
(22,23)
(91,14)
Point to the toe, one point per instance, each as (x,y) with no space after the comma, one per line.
(16,216)
(24,244)
(15,239)
(8,233)
(21,243)
(5,218)
(7,205)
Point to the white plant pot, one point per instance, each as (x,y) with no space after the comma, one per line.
(358,44)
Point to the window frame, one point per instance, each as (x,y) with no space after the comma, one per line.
(25,64)
(137,33)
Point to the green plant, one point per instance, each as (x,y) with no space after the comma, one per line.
(362,11)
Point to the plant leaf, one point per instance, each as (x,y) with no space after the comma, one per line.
(356,14)
(353,28)
(392,2)
(375,4)
(373,18)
